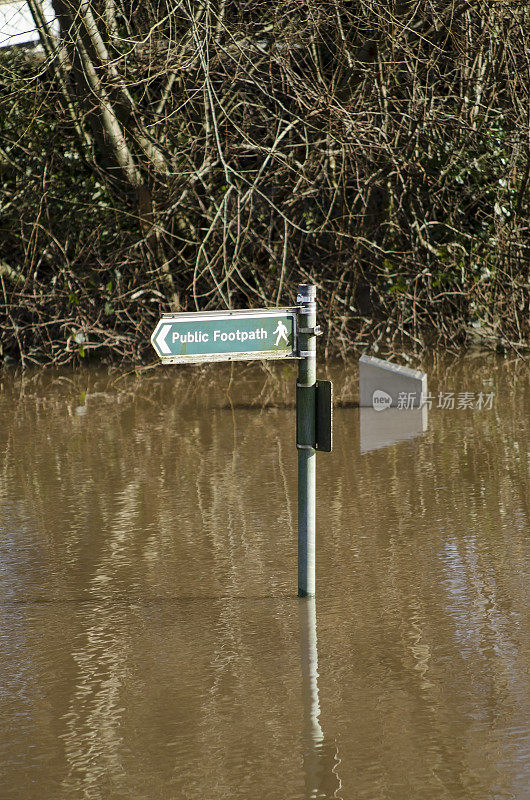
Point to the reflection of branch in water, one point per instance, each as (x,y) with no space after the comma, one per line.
(320,759)
(94,723)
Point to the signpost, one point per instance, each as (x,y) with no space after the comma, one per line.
(268,333)
(226,335)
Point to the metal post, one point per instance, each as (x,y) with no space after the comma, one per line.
(306,438)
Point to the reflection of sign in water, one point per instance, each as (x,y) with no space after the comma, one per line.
(226,335)
(395,425)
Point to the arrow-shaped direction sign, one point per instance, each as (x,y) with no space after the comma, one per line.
(226,335)
(159,341)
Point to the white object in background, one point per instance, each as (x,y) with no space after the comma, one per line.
(383,385)
(17,25)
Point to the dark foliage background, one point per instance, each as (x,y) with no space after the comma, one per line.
(179,155)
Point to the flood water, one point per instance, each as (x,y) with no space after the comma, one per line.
(152,645)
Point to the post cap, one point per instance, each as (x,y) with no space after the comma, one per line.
(307,293)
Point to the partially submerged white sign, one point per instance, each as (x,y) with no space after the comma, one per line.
(383,385)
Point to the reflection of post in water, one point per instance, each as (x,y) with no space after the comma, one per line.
(320,760)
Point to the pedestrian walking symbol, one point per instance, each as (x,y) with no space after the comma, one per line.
(281,330)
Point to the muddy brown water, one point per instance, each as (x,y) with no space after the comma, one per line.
(151,642)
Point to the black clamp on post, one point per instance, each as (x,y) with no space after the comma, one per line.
(305,419)
(316,331)
(317,433)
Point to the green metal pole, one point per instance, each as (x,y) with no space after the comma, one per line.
(306,438)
